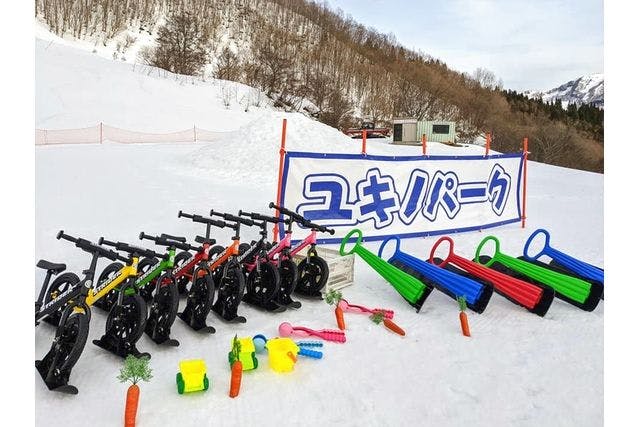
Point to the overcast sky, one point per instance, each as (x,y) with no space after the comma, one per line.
(529,44)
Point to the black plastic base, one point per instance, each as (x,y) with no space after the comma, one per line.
(428,286)
(228,314)
(540,308)
(119,347)
(588,305)
(58,380)
(270,306)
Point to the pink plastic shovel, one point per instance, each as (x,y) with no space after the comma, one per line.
(352,308)
(286,329)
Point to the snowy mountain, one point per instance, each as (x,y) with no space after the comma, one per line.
(583,90)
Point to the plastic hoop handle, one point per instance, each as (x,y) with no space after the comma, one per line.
(482,243)
(530,239)
(346,239)
(435,246)
(387,240)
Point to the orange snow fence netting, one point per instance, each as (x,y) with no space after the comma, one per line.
(101,133)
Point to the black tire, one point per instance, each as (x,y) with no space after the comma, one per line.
(70,341)
(217,273)
(243,248)
(126,321)
(288,276)
(62,283)
(313,275)
(263,287)
(144,266)
(183,281)
(231,288)
(107,301)
(163,308)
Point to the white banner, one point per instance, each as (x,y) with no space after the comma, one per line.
(402,196)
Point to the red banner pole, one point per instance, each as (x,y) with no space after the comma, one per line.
(280,171)
(424,144)
(525,149)
(364,141)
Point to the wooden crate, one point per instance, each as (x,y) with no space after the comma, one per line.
(340,267)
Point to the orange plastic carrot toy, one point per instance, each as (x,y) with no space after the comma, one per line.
(134,370)
(464,322)
(334,297)
(378,317)
(236,369)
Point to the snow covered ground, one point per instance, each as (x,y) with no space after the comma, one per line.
(517,370)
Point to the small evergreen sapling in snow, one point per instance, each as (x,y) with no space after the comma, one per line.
(334,297)
(134,370)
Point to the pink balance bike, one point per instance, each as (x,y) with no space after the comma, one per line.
(313,271)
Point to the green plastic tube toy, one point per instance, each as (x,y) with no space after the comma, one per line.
(411,289)
(578,292)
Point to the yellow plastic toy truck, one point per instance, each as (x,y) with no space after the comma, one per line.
(247,354)
(283,354)
(192,376)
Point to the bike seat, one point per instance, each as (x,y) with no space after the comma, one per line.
(201,240)
(56,268)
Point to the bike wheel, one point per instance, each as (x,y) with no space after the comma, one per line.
(126,321)
(107,301)
(61,284)
(164,305)
(71,339)
(263,287)
(231,288)
(288,276)
(217,273)
(183,281)
(314,273)
(144,266)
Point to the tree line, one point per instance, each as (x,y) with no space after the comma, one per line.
(307,56)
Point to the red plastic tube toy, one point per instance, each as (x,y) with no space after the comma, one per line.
(534,298)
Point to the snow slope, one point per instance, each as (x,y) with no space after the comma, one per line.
(517,370)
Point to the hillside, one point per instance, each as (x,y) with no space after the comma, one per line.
(307,57)
(517,369)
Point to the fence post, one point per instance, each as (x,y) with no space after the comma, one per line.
(487,145)
(101,133)
(424,144)
(283,141)
(525,151)
(364,141)
(194,133)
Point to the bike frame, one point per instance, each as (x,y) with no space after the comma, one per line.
(184,269)
(127,271)
(151,275)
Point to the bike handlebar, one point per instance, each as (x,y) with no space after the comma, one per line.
(229,217)
(130,249)
(254,216)
(301,220)
(87,246)
(163,241)
(204,220)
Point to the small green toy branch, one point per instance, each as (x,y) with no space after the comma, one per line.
(378,317)
(464,322)
(333,297)
(236,368)
(134,370)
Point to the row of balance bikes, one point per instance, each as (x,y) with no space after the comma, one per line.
(524,280)
(140,290)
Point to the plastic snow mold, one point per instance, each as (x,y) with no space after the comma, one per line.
(561,262)
(286,329)
(476,294)
(283,354)
(353,308)
(247,354)
(411,289)
(575,291)
(534,298)
(192,376)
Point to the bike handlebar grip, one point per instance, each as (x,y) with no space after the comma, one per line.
(182,214)
(212,212)
(103,241)
(61,235)
(142,235)
(271,205)
(170,237)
